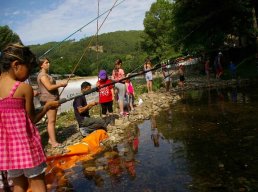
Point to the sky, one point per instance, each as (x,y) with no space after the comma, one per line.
(42,21)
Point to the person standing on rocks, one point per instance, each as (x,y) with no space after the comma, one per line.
(48,89)
(130,94)
(81,108)
(106,94)
(167,77)
(181,73)
(117,74)
(218,65)
(233,70)
(207,69)
(148,75)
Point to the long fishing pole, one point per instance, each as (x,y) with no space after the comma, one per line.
(57,45)
(63,100)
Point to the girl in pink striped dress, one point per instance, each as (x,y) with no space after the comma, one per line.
(21,151)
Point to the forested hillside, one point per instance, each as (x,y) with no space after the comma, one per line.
(199,28)
(121,44)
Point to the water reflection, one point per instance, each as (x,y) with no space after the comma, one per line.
(206,142)
(219,138)
(154,132)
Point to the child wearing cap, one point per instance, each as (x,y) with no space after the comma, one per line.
(106,93)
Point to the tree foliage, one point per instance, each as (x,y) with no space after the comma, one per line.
(7,36)
(203,24)
(157,30)
(200,26)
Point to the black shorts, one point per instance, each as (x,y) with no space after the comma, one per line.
(182,78)
(108,106)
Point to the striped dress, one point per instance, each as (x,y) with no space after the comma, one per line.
(20,142)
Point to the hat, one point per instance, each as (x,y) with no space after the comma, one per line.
(102,74)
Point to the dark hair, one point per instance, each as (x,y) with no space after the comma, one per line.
(16,51)
(118,61)
(42,60)
(85,84)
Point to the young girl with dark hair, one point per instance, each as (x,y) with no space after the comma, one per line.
(21,151)
(118,74)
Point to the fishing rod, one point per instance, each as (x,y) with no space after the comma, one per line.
(95,89)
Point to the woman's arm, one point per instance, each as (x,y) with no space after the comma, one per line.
(122,73)
(50,87)
(145,66)
(113,75)
(113,93)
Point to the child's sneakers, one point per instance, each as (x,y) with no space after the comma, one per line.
(123,114)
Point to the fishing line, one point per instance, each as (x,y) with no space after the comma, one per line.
(77,64)
(78,30)
(109,10)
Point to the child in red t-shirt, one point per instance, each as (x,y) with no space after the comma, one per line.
(106,94)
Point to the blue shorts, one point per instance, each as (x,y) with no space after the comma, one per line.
(148,76)
(29,172)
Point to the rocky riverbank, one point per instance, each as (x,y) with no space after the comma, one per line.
(152,104)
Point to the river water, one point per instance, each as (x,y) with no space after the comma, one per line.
(205,142)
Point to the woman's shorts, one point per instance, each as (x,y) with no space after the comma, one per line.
(29,172)
(148,76)
(121,91)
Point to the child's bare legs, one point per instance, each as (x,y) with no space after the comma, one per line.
(51,115)
(131,106)
(167,85)
(131,102)
(20,184)
(149,86)
(121,106)
(37,183)
(181,84)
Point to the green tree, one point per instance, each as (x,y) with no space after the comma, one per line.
(80,56)
(157,29)
(7,36)
(208,25)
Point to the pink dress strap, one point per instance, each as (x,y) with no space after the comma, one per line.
(17,83)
